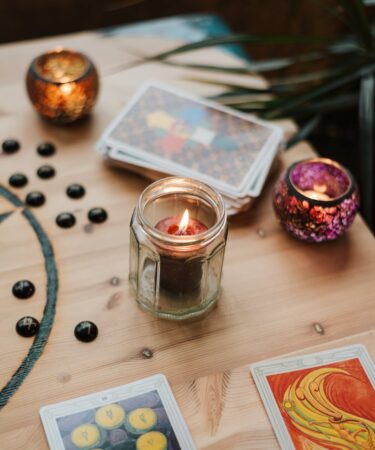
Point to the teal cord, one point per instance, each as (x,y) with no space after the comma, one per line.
(46,323)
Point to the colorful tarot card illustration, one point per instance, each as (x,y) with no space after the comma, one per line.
(178,132)
(138,416)
(324,400)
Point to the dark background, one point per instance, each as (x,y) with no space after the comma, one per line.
(25,19)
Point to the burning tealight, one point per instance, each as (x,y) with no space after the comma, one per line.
(177,242)
(62,85)
(316,200)
(183,227)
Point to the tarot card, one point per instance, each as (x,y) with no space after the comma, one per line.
(138,416)
(133,163)
(181,134)
(324,400)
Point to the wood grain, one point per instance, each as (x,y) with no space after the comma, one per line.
(274,288)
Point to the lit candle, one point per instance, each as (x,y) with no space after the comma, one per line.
(177,241)
(180,274)
(62,85)
(316,195)
(185,227)
(316,200)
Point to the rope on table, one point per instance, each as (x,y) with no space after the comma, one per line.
(46,323)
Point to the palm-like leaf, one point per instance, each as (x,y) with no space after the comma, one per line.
(357,20)
(328,86)
(304,131)
(241,39)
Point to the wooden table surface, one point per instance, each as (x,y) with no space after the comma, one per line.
(274,288)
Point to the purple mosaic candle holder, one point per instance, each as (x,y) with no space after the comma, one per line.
(316,200)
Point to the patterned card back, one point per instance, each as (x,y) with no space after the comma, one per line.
(170,128)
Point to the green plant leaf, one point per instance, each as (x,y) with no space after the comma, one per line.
(241,39)
(263,106)
(357,20)
(304,131)
(324,88)
(277,85)
(366,128)
(340,48)
(337,102)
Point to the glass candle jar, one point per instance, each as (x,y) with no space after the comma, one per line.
(62,85)
(175,260)
(316,200)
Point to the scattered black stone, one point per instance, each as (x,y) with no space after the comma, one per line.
(97,215)
(18,180)
(10,146)
(46,149)
(65,220)
(23,289)
(46,172)
(35,198)
(27,326)
(75,191)
(86,331)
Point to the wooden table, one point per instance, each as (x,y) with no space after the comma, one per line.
(274,288)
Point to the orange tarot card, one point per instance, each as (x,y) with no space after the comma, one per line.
(319,401)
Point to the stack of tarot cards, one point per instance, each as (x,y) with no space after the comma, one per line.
(163,132)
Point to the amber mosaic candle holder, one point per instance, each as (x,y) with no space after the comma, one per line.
(62,85)
(177,241)
(316,200)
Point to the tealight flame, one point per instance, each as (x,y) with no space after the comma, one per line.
(67,88)
(182,227)
(320,188)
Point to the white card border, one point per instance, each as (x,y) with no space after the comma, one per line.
(275,136)
(261,370)
(159,382)
(253,189)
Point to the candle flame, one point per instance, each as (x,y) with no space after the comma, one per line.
(316,195)
(320,188)
(67,88)
(182,227)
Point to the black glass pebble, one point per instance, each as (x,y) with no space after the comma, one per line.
(46,149)
(86,331)
(18,180)
(97,215)
(75,191)
(35,198)
(65,220)
(46,172)
(27,326)
(10,146)
(23,289)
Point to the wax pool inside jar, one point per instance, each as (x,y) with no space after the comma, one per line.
(171,225)
(320,180)
(61,66)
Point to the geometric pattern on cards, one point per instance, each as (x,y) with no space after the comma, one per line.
(180,130)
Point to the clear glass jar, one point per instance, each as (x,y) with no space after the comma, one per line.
(177,277)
